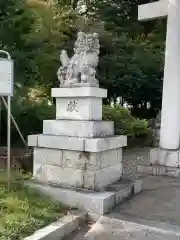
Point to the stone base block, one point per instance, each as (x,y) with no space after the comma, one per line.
(164,157)
(83,103)
(95,202)
(78,160)
(76,168)
(100,179)
(83,129)
(96,180)
(83,92)
(76,143)
(58,175)
(159,170)
(79,108)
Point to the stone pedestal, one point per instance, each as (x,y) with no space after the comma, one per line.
(77,159)
(164,157)
(78,149)
(163,162)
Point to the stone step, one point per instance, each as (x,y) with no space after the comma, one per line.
(77,128)
(97,202)
(107,228)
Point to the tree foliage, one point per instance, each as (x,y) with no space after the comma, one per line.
(131,62)
(131,56)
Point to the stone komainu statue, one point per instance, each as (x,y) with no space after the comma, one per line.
(81,68)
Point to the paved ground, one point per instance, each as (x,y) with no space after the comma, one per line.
(107,228)
(154,214)
(132,158)
(79,233)
(158,204)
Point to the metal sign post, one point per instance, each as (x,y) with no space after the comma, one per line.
(6,89)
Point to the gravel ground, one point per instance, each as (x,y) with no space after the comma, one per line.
(132,158)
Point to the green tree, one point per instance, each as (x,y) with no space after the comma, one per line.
(131,61)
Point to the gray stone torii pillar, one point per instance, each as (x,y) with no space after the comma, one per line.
(170,119)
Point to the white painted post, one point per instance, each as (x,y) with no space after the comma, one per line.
(170,119)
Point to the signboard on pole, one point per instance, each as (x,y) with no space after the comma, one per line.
(6,77)
(6,89)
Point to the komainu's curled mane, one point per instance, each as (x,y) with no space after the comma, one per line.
(81,68)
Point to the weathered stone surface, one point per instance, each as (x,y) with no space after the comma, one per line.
(81,67)
(61,142)
(104,159)
(77,159)
(74,159)
(103,144)
(78,108)
(123,194)
(58,175)
(95,202)
(98,169)
(103,177)
(83,92)
(160,170)
(170,158)
(89,129)
(79,144)
(93,161)
(111,157)
(48,156)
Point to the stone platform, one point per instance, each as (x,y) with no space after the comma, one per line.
(162,162)
(78,159)
(157,170)
(92,201)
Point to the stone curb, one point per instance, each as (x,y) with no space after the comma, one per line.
(59,229)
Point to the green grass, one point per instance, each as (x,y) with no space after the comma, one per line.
(24,210)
